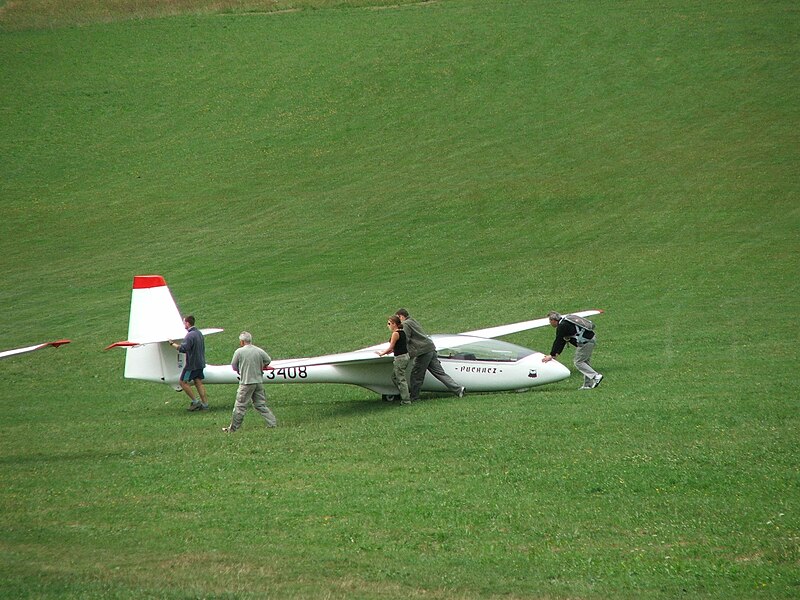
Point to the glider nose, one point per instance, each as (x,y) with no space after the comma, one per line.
(548,372)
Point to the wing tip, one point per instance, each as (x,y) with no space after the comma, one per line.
(123,344)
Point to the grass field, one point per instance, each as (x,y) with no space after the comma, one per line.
(301,170)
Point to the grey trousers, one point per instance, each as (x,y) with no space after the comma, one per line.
(429,362)
(399,377)
(583,358)
(251,392)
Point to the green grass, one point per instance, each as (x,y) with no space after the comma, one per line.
(56,14)
(303,174)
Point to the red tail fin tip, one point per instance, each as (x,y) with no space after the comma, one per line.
(141,282)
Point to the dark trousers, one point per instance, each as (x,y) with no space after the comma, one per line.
(424,363)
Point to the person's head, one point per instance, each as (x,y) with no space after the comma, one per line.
(245,338)
(402,313)
(394,323)
(554,318)
(188,321)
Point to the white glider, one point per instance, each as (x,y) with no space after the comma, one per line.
(474,358)
(55,344)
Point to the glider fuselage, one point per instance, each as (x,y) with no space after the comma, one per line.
(486,374)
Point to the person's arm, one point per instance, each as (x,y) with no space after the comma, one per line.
(187,344)
(558,344)
(235,361)
(392,342)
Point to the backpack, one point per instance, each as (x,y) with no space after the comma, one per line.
(580,322)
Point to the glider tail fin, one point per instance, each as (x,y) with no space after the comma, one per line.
(154,319)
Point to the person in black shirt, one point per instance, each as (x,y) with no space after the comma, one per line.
(398,346)
(573,330)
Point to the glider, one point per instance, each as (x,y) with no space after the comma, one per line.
(475,359)
(55,344)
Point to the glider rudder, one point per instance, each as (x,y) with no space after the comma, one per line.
(154,318)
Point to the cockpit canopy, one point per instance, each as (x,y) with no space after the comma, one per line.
(478,349)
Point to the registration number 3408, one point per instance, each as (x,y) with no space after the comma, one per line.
(287,373)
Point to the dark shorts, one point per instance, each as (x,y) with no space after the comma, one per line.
(188,376)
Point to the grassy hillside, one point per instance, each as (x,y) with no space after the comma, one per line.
(55,14)
(303,174)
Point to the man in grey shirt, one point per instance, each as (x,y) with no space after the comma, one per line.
(249,362)
(423,352)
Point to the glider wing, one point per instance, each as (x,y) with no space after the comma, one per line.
(501,330)
(357,356)
(370,354)
(55,344)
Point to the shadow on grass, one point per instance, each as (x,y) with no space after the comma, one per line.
(377,405)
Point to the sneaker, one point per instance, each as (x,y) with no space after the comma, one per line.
(405,402)
(586,386)
(597,380)
(203,407)
(227,430)
(461,392)
(195,405)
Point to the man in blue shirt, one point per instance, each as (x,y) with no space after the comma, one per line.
(194,347)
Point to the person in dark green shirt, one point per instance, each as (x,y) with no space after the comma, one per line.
(423,351)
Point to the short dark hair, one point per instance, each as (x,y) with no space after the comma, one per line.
(402,312)
(189,319)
